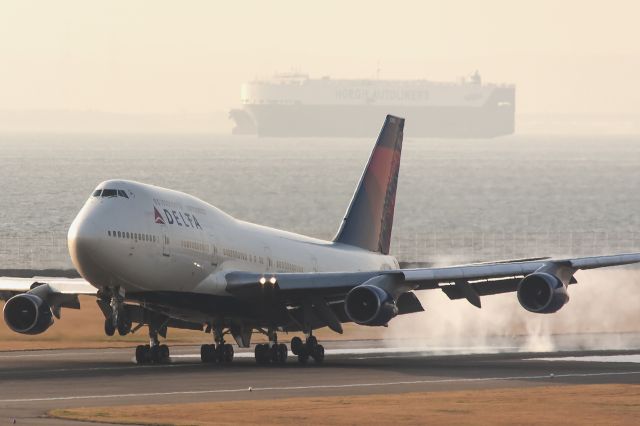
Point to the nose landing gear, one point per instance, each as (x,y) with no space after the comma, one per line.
(116,317)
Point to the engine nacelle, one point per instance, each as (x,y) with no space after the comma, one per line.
(370,305)
(27,314)
(542,293)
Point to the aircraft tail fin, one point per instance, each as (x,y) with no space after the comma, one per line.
(368,221)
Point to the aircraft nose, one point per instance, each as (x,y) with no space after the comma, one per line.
(83,241)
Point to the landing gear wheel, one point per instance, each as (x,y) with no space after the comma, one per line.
(109,328)
(163,353)
(219,353)
(124,327)
(296,345)
(141,354)
(207,353)
(318,354)
(147,354)
(303,357)
(274,354)
(228,352)
(154,354)
(312,342)
(283,353)
(262,353)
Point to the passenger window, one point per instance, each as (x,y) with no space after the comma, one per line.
(109,233)
(127,235)
(109,193)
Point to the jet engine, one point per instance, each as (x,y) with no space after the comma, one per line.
(542,293)
(28,314)
(370,305)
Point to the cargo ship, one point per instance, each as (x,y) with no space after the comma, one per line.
(293,104)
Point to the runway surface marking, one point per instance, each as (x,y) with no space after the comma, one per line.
(63,353)
(336,386)
(594,358)
(79,370)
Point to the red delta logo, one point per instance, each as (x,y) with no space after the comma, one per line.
(176,217)
(158,216)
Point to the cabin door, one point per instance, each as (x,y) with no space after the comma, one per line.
(164,239)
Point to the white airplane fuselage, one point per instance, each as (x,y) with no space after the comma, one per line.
(156,239)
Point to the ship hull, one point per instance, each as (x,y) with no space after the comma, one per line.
(350,121)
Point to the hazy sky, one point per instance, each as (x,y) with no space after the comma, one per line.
(191,56)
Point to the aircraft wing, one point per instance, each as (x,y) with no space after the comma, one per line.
(455,281)
(10,286)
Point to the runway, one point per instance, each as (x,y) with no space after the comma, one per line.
(33,382)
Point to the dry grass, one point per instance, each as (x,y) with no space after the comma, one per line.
(568,405)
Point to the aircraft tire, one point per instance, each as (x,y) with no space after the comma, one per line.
(296,345)
(312,342)
(303,358)
(153,354)
(318,354)
(141,356)
(262,353)
(283,353)
(228,353)
(163,353)
(124,327)
(207,353)
(109,329)
(274,354)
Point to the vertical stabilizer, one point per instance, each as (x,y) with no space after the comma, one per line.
(369,218)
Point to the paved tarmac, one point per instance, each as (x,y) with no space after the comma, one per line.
(33,382)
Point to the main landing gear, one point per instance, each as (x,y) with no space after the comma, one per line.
(272,352)
(154,352)
(219,352)
(310,348)
(275,353)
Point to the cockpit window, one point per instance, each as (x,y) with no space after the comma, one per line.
(109,193)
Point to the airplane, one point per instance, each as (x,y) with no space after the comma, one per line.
(164,259)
